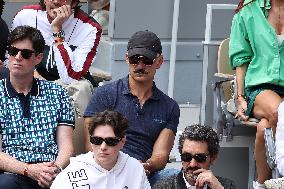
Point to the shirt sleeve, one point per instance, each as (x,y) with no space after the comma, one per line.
(100,101)
(66,115)
(240,51)
(73,65)
(173,120)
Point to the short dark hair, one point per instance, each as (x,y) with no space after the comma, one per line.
(116,120)
(201,133)
(77,6)
(27,32)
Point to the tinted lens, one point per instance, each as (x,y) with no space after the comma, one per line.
(96,140)
(13,51)
(25,53)
(200,158)
(136,58)
(110,141)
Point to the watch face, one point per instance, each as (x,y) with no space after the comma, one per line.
(59,34)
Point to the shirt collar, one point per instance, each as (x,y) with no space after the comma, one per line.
(156,93)
(11,92)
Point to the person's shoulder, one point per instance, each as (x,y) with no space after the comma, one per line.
(131,160)
(165,98)
(226,182)
(50,85)
(32,7)
(85,18)
(112,86)
(170,182)
(28,10)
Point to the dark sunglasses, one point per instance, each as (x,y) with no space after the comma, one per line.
(200,158)
(110,141)
(25,53)
(136,58)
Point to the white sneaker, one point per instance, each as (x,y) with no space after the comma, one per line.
(257,185)
(275,183)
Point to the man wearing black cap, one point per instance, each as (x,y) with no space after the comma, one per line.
(153,116)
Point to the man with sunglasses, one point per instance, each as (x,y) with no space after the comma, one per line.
(153,116)
(71,40)
(36,118)
(105,166)
(199,148)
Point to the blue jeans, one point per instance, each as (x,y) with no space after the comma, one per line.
(15,181)
(162,174)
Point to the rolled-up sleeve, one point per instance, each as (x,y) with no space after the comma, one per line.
(240,51)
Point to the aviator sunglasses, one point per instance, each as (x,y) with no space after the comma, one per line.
(200,158)
(110,141)
(134,60)
(25,53)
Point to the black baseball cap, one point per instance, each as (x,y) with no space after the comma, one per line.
(144,43)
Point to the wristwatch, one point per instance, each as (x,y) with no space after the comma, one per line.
(59,34)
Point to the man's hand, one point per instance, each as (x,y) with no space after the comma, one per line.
(206,177)
(61,14)
(147,167)
(43,173)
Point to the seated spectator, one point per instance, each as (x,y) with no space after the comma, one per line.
(71,39)
(100,13)
(256,53)
(36,118)
(199,148)
(3,35)
(105,166)
(153,116)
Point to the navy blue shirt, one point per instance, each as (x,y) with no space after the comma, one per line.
(145,123)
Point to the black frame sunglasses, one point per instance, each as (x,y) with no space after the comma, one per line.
(134,60)
(200,158)
(25,53)
(110,141)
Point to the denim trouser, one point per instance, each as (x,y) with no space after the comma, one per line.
(15,181)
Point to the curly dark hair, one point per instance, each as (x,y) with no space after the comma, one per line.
(116,120)
(203,134)
(2,3)
(75,2)
(27,32)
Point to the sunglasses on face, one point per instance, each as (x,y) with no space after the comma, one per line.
(110,141)
(200,158)
(25,53)
(135,59)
